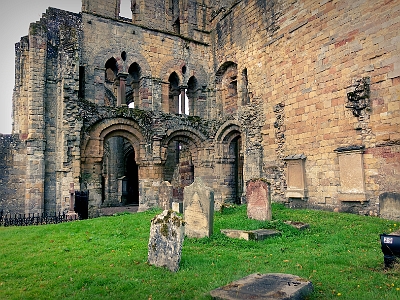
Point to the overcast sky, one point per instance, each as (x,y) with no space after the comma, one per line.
(15,17)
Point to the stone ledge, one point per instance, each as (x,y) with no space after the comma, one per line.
(265,286)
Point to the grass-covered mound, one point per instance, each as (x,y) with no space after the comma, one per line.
(105,258)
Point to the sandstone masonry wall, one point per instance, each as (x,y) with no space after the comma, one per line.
(305,57)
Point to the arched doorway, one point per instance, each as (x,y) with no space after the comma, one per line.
(132,175)
(120,178)
(111,163)
(180,161)
(230,155)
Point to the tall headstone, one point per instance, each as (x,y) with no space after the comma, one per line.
(198,207)
(166,238)
(165,195)
(258,200)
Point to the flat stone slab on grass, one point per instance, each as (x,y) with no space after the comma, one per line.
(298,225)
(274,286)
(256,235)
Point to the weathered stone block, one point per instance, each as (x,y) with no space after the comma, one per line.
(258,200)
(166,239)
(389,206)
(265,286)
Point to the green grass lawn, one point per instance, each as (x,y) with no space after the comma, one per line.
(106,258)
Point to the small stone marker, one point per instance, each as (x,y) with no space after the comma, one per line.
(265,286)
(166,239)
(71,214)
(258,200)
(253,235)
(198,205)
(165,195)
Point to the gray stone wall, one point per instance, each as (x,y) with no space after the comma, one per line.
(12,174)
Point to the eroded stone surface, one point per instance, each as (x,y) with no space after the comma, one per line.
(198,203)
(274,286)
(258,200)
(165,197)
(166,239)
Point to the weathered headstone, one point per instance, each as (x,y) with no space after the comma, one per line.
(165,195)
(265,286)
(198,204)
(258,200)
(71,214)
(389,206)
(166,238)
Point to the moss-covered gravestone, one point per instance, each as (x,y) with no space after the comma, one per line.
(166,238)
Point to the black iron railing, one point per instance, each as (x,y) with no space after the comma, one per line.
(35,219)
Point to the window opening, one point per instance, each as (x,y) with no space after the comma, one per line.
(177,26)
(245,95)
(125,9)
(123,55)
(192,96)
(174,93)
(111,69)
(132,93)
(81,93)
(186,103)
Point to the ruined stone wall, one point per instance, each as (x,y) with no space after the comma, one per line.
(157,54)
(45,94)
(302,58)
(12,174)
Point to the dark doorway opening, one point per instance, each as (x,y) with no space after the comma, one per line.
(132,176)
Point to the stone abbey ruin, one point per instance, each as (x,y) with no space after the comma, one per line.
(304,94)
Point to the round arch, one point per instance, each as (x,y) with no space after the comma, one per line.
(93,142)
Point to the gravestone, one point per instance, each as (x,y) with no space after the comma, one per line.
(248,235)
(389,206)
(198,206)
(275,286)
(165,195)
(166,238)
(258,200)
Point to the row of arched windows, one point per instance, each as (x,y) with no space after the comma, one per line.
(128,88)
(181,97)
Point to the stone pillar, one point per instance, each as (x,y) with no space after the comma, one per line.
(183,106)
(121,96)
(35,169)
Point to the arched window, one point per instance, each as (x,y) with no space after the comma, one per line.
(174,93)
(192,96)
(111,70)
(226,79)
(133,85)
